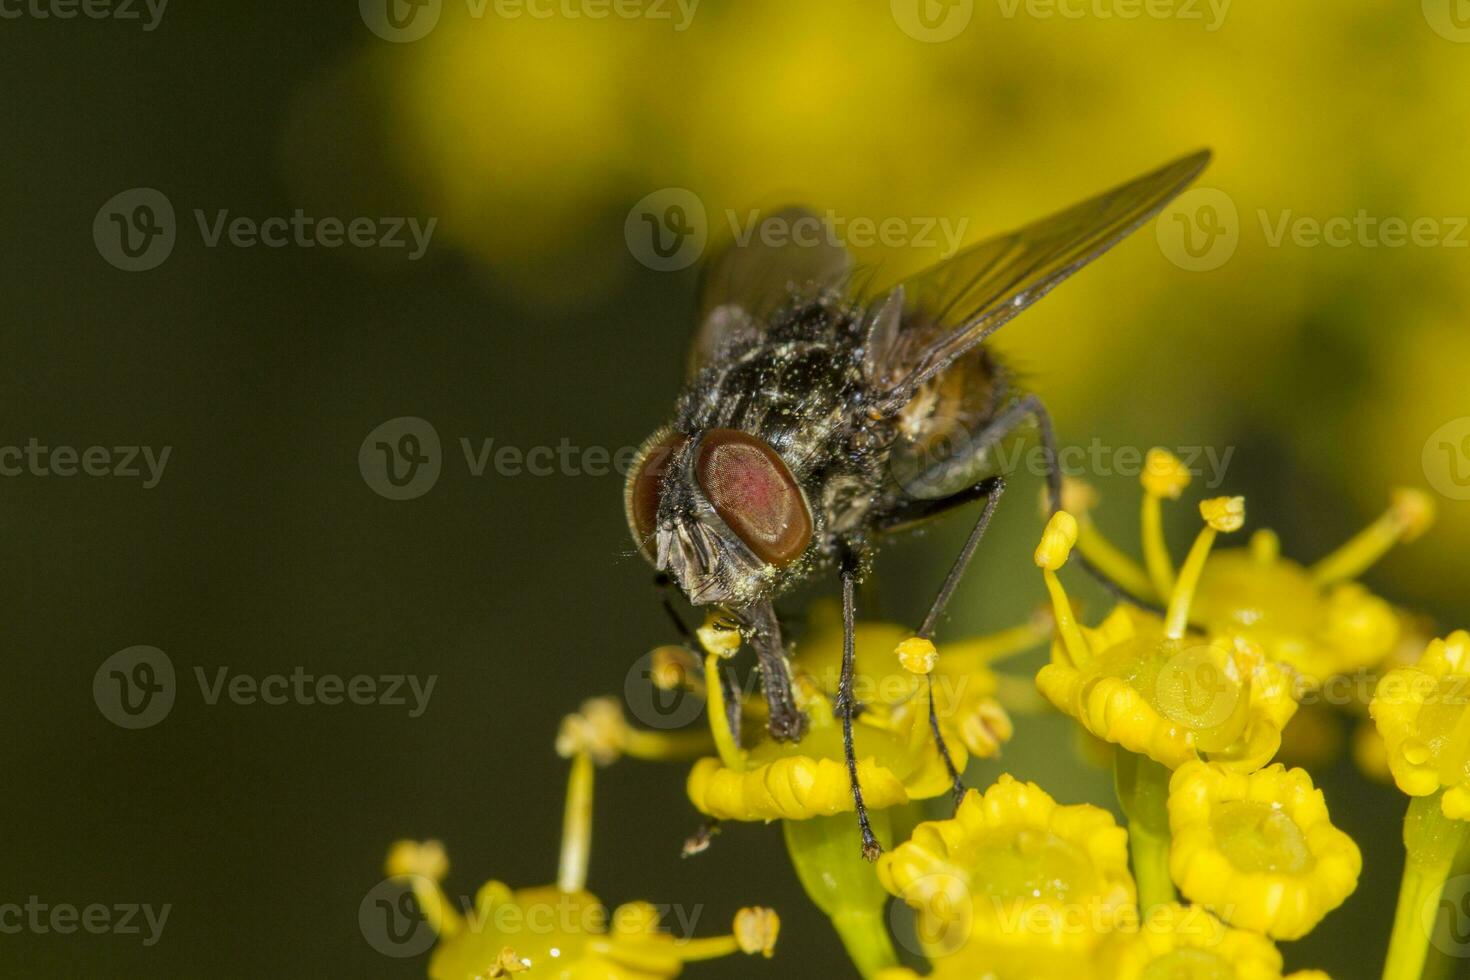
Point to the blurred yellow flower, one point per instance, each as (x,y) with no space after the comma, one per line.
(1013,870)
(1259,848)
(1423,713)
(1188,943)
(990,962)
(1152,686)
(559,930)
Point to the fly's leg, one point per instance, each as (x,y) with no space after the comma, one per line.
(788,722)
(991,489)
(871,847)
(1005,423)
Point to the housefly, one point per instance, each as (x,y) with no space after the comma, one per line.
(820,413)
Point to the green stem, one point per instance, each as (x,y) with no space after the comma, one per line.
(1432,842)
(827,855)
(1143,790)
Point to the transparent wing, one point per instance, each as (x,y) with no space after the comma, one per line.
(747,280)
(955,305)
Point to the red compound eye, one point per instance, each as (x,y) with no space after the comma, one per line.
(645,481)
(755,494)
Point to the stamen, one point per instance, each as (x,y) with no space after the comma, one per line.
(1163,476)
(576,827)
(1221,514)
(719,720)
(674,668)
(1265,547)
(1056,546)
(719,635)
(1410,513)
(754,932)
(601,731)
(423,867)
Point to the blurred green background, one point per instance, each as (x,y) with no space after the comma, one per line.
(530,321)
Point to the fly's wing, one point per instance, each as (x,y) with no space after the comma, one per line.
(952,307)
(780,254)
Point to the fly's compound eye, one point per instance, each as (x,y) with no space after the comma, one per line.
(755,494)
(645,481)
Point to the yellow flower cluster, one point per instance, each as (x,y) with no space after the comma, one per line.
(1313,619)
(1017,886)
(1423,713)
(895,678)
(1152,685)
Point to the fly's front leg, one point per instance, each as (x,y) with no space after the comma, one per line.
(845,706)
(761,627)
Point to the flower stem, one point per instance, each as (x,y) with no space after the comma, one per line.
(827,855)
(1143,790)
(1432,843)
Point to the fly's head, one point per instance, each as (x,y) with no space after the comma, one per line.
(720,512)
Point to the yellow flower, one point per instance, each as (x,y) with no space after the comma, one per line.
(1314,619)
(795,781)
(561,930)
(1151,685)
(1259,848)
(1002,963)
(965,688)
(1423,713)
(1013,870)
(1188,943)
(897,758)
